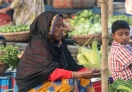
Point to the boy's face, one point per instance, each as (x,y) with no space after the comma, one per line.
(121,36)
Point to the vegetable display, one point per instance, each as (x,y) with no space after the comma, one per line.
(85,22)
(87,56)
(9,55)
(19,28)
(119,17)
(121,85)
(5,19)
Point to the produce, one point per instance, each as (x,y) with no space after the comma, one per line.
(90,58)
(19,28)
(82,60)
(121,85)
(85,22)
(119,17)
(94,56)
(9,55)
(5,19)
(125,88)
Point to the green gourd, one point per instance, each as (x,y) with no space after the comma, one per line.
(94,56)
(83,61)
(86,54)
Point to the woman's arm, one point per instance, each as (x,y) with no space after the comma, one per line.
(5,10)
(66,74)
(13,5)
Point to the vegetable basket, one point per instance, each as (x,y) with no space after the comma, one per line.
(23,36)
(3,67)
(81,40)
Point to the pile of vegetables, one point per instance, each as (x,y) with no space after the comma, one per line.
(85,22)
(121,85)
(90,57)
(19,28)
(9,55)
(87,56)
(119,17)
(5,19)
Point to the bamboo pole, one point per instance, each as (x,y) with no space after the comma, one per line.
(105,39)
(110,7)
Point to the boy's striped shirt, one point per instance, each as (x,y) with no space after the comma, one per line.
(119,61)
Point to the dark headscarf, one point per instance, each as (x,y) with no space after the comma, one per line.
(42,57)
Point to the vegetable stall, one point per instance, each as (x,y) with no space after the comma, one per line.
(84,27)
(10,34)
(91,33)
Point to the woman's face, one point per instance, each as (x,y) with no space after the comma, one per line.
(58,29)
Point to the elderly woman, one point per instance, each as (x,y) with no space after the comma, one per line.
(47,65)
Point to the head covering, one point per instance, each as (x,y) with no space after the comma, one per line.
(53,22)
(42,57)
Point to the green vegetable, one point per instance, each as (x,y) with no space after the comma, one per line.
(82,60)
(85,22)
(9,55)
(94,56)
(18,28)
(115,86)
(125,88)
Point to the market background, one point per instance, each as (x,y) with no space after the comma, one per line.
(7,81)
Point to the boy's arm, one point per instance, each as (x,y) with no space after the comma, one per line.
(124,55)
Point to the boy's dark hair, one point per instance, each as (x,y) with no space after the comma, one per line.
(119,24)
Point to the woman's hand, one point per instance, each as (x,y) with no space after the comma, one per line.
(87,74)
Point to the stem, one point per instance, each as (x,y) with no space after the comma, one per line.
(94,45)
(80,47)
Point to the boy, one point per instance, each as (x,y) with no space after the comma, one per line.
(120,59)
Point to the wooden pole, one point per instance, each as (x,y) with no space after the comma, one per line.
(105,39)
(110,7)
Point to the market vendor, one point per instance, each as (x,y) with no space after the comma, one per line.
(120,58)
(47,65)
(25,11)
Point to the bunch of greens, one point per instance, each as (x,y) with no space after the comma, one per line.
(121,85)
(9,55)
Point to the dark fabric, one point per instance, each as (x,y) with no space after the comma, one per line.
(41,57)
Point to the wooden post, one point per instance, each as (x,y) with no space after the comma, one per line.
(110,7)
(105,39)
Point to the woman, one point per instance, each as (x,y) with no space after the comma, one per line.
(25,11)
(47,65)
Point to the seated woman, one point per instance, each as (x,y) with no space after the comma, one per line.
(46,65)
